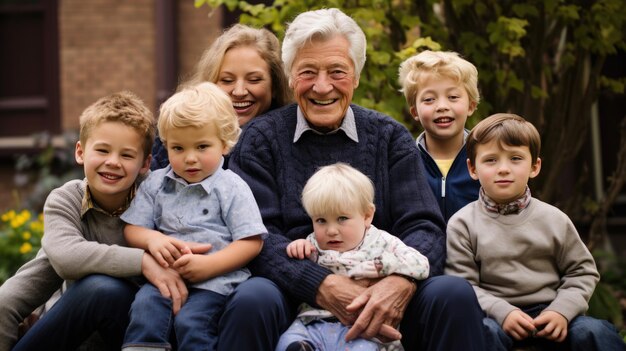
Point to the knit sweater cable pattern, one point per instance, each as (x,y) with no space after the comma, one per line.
(277,169)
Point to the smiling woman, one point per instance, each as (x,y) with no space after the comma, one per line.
(245,63)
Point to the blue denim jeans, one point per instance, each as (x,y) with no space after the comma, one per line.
(195,325)
(583,334)
(96,303)
(324,335)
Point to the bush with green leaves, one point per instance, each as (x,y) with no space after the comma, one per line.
(20,239)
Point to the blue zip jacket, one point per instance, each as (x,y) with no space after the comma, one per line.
(455,190)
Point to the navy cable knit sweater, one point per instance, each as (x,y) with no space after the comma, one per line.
(277,169)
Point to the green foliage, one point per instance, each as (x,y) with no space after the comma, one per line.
(20,239)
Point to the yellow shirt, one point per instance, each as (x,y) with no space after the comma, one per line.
(444,166)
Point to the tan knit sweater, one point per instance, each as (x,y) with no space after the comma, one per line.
(523,259)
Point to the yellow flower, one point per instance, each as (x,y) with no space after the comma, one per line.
(26,235)
(26,248)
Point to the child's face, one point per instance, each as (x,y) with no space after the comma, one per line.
(503,170)
(442,106)
(112,158)
(194,153)
(341,232)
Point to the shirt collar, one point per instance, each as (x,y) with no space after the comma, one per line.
(206,183)
(88,203)
(513,207)
(348,125)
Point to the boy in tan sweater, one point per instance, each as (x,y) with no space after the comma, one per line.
(532,273)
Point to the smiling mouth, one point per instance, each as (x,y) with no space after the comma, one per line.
(323,102)
(243,104)
(444,120)
(110,176)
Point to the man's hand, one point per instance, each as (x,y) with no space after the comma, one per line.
(300,249)
(167,280)
(336,292)
(552,326)
(519,325)
(382,307)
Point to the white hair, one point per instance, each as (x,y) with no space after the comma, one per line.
(323,24)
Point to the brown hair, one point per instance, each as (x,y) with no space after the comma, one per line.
(123,107)
(506,129)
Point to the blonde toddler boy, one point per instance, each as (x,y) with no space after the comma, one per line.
(192,200)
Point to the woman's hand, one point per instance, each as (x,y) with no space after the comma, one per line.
(167,280)
(381,307)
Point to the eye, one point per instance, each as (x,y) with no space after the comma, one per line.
(102,151)
(342,219)
(203,146)
(517,158)
(454,97)
(338,74)
(428,100)
(177,148)
(226,80)
(256,79)
(320,220)
(128,156)
(306,74)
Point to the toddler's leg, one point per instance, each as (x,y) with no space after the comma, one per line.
(151,321)
(255,315)
(196,323)
(332,336)
(590,334)
(296,338)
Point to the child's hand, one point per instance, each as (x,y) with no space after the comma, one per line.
(194,268)
(300,249)
(518,324)
(166,250)
(552,324)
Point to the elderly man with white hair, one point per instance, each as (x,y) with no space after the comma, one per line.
(324,53)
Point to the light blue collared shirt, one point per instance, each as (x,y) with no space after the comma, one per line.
(218,210)
(348,125)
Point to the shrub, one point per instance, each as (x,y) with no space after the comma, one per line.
(20,239)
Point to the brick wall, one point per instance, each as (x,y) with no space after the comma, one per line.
(105,46)
(109,45)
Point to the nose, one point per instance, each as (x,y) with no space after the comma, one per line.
(240,89)
(332,230)
(442,105)
(503,168)
(190,157)
(113,160)
(322,84)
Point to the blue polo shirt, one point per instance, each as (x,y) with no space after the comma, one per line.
(218,210)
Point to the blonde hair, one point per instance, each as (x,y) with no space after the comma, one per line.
(438,64)
(239,35)
(506,129)
(337,188)
(122,107)
(197,106)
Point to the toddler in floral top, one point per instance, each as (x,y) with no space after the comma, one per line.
(340,201)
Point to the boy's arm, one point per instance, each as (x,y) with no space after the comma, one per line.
(579,274)
(165,249)
(197,268)
(31,286)
(74,256)
(460,262)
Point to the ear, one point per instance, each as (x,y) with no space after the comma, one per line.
(413,111)
(356,82)
(79,154)
(471,169)
(146,165)
(534,169)
(472,108)
(369,215)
